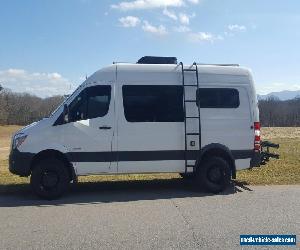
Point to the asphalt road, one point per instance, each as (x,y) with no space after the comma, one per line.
(147,215)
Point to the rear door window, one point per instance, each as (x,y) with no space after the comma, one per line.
(218,98)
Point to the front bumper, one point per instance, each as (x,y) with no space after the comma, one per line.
(20,162)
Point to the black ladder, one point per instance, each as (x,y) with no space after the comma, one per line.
(193,68)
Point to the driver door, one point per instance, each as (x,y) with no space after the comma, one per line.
(89,133)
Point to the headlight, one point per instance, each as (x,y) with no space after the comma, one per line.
(18,140)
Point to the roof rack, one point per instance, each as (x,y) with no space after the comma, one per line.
(173,60)
(120,62)
(220,64)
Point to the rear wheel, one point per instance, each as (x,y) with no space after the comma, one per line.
(213,175)
(49,179)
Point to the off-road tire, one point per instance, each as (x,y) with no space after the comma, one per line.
(213,175)
(49,179)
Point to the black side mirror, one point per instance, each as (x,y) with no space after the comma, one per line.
(66,113)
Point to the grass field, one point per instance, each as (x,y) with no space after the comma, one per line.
(286,170)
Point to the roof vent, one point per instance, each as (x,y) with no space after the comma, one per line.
(157,60)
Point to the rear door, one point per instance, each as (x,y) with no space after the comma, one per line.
(225,116)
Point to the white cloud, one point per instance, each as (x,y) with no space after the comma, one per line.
(40,84)
(129,21)
(170,14)
(182,29)
(193,1)
(147,4)
(184,19)
(236,28)
(204,37)
(156,30)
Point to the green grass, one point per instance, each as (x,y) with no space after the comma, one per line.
(286,170)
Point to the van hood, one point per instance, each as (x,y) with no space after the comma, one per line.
(27,129)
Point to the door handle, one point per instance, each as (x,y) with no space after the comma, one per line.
(105,127)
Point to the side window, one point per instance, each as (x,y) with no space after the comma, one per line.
(153,103)
(218,98)
(92,102)
(98,100)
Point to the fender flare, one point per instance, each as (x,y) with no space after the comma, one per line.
(218,149)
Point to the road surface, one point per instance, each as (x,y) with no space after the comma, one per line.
(147,215)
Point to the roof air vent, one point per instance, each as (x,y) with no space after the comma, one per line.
(157,60)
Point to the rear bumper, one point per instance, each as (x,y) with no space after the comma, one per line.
(255,160)
(262,158)
(19,162)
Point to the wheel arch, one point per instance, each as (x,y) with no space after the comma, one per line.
(52,153)
(219,150)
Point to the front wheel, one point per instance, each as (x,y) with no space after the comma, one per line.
(213,175)
(49,179)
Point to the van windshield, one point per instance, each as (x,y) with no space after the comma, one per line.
(57,108)
(65,100)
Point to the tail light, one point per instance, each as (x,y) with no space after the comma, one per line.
(257,136)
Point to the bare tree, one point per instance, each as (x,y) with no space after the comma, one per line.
(22,109)
(274,112)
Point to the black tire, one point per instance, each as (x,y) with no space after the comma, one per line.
(213,175)
(49,179)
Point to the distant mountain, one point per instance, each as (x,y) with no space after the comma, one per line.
(282,95)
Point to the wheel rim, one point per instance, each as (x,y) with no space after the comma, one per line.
(49,180)
(215,175)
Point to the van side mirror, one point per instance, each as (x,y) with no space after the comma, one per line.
(66,113)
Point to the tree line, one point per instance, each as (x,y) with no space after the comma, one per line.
(277,113)
(23,109)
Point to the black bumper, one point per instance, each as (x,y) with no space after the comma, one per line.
(262,158)
(19,162)
(255,160)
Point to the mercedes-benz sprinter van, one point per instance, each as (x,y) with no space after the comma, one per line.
(198,120)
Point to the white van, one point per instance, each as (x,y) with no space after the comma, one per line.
(198,120)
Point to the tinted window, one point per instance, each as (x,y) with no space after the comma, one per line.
(218,98)
(98,99)
(90,103)
(153,103)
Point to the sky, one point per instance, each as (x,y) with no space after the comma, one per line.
(48,47)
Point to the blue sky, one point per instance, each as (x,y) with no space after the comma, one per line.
(47,47)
